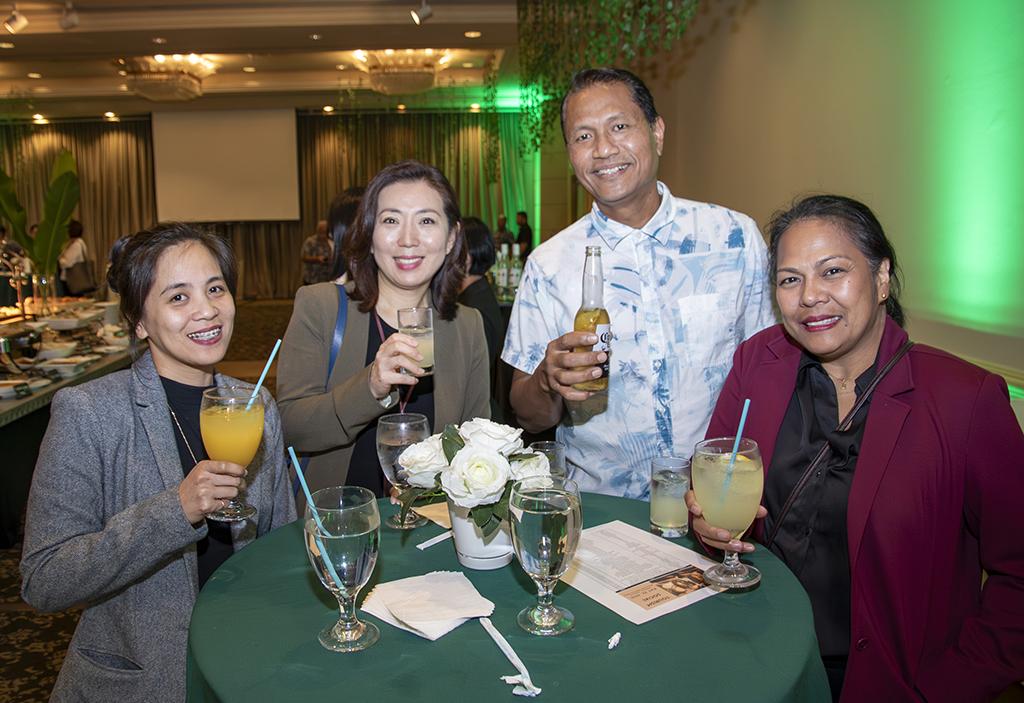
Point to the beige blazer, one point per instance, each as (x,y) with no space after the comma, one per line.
(325,421)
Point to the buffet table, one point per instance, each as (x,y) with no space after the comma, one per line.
(253,635)
(23,422)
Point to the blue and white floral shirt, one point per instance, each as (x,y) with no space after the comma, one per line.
(682,292)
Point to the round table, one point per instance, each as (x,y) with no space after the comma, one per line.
(253,635)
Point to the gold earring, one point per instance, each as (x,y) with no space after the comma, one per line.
(884,296)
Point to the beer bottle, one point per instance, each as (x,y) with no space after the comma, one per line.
(592,317)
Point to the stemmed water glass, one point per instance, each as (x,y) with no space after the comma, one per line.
(729,492)
(395,434)
(231,422)
(348,538)
(546,519)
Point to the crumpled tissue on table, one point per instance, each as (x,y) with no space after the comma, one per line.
(430,606)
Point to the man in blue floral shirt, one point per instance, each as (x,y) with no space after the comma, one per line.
(685,283)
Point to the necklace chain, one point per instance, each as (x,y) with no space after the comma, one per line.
(182,432)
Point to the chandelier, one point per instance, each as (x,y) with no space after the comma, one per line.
(168,78)
(403,71)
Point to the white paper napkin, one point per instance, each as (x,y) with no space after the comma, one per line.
(430,606)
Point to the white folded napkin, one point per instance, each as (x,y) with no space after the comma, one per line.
(523,685)
(430,606)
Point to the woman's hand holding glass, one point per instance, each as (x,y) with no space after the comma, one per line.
(397,363)
(208,487)
(716,537)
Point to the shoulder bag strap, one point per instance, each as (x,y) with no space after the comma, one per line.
(826,448)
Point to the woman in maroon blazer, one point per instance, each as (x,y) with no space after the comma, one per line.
(891,532)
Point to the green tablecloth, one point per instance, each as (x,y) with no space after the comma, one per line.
(254,627)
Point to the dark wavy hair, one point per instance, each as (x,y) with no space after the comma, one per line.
(340,217)
(444,286)
(857,222)
(480,244)
(134,257)
(587,77)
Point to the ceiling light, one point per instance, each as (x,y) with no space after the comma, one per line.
(159,40)
(69,17)
(249,69)
(6,45)
(121,61)
(422,14)
(444,59)
(360,55)
(35,75)
(159,58)
(178,57)
(467,65)
(389,52)
(340,67)
(122,72)
(37,117)
(15,21)
(109,114)
(428,52)
(401,107)
(475,107)
(472,34)
(314,37)
(328,108)
(410,51)
(193,59)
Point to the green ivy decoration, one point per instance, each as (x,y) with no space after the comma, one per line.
(559,37)
(491,132)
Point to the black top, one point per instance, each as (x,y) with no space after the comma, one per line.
(480,295)
(364,468)
(214,549)
(812,539)
(525,241)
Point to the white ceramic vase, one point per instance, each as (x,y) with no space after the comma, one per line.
(473,550)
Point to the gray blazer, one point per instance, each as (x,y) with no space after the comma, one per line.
(326,421)
(105,528)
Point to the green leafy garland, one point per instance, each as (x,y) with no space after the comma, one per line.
(559,37)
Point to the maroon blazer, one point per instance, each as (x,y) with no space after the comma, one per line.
(936,497)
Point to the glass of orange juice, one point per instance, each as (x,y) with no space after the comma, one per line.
(232,428)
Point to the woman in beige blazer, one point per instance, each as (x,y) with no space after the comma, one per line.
(406,250)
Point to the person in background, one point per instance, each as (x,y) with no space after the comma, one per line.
(117,511)
(502,235)
(316,256)
(339,222)
(406,249)
(477,292)
(891,533)
(74,252)
(685,283)
(525,236)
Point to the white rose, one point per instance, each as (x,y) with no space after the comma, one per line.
(535,464)
(492,435)
(423,461)
(477,476)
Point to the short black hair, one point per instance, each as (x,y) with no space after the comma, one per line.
(523,213)
(134,257)
(589,77)
(339,219)
(75,229)
(480,243)
(857,222)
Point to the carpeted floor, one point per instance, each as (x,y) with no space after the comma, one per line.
(32,644)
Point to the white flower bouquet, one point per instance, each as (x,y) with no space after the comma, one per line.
(474,466)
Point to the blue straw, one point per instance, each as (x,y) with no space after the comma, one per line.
(736,446)
(312,508)
(256,390)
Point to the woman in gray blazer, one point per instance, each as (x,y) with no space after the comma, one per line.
(405,250)
(117,511)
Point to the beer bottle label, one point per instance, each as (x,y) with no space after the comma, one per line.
(604,343)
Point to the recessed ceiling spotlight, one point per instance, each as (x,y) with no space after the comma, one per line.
(159,40)
(249,69)
(178,57)
(15,21)
(389,52)
(444,59)
(328,108)
(122,62)
(422,14)
(428,52)
(108,114)
(314,37)
(123,88)
(37,116)
(69,17)
(341,67)
(122,72)
(360,55)
(6,45)
(472,34)
(467,64)
(475,107)
(35,75)
(410,51)
(194,59)
(401,107)
(159,58)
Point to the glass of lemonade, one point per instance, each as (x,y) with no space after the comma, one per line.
(395,434)
(418,323)
(729,497)
(546,520)
(670,480)
(349,540)
(232,428)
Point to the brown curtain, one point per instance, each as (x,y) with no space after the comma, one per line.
(115,171)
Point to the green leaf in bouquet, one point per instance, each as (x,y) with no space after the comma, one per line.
(451,442)
(520,456)
(501,507)
(416,496)
(482,514)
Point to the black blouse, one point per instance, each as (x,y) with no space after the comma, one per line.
(364,468)
(812,539)
(214,549)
